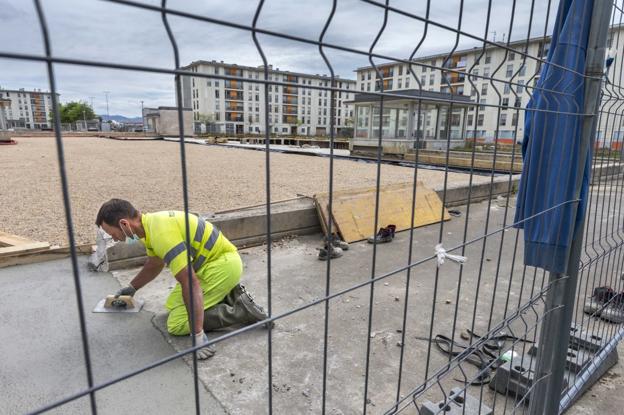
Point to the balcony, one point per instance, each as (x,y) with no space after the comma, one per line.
(234,95)
(234,72)
(387,72)
(289,109)
(291,79)
(234,106)
(290,90)
(290,100)
(234,85)
(234,116)
(289,119)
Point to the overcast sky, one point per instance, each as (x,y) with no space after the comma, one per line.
(105,31)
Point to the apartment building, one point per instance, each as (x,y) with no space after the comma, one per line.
(27,109)
(237,107)
(499,118)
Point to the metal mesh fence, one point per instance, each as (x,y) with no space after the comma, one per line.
(466,334)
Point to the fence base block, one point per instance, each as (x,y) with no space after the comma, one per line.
(516,377)
(582,337)
(576,360)
(459,403)
(610,360)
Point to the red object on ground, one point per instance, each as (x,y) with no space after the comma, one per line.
(6,143)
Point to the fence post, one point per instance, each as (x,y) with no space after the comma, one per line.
(555,331)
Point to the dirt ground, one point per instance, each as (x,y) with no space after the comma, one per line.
(148,173)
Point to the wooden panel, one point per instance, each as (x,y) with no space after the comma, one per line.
(7,239)
(24,249)
(354,210)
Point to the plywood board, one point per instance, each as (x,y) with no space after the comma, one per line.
(21,249)
(322,207)
(354,210)
(7,239)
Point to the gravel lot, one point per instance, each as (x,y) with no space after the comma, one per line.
(149,174)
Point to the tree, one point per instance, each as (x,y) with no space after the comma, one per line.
(74,111)
(206,118)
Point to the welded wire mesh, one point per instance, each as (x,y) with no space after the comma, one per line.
(454,322)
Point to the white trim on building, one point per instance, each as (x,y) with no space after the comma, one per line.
(28,109)
(238,106)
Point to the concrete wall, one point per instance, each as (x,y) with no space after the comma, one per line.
(168,123)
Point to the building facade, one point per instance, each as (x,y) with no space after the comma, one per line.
(499,118)
(237,107)
(27,109)
(513,69)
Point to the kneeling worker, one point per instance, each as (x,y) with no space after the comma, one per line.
(218,298)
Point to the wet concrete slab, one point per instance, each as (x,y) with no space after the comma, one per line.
(42,355)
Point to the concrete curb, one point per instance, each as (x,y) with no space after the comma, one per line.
(247,227)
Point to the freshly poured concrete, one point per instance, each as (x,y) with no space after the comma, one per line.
(42,357)
(237,375)
(45,360)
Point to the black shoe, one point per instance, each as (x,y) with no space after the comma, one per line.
(383,235)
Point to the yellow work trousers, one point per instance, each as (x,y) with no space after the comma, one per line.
(216,278)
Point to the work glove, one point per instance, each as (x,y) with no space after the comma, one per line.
(129,290)
(205,352)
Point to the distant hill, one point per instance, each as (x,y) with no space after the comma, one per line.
(120,118)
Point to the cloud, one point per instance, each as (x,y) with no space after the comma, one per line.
(108,32)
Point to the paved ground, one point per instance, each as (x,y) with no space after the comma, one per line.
(149,174)
(237,376)
(41,349)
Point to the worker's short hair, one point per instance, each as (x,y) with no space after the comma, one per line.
(114,210)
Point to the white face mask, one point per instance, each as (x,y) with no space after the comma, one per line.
(129,239)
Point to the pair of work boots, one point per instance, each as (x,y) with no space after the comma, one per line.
(333,248)
(237,308)
(606,304)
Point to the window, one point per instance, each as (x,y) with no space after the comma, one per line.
(407,82)
(400,86)
(518,102)
(484,88)
(368,86)
(423,79)
(470,119)
(363,76)
(488,58)
(514,119)
(361,87)
(520,87)
(369,76)
(511,56)
(505,102)
(400,70)
(486,71)
(503,119)
(480,120)
(216,83)
(209,83)
(506,89)
(509,71)
(216,93)
(432,79)
(482,106)
(522,70)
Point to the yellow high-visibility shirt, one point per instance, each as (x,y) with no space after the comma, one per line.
(165,238)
